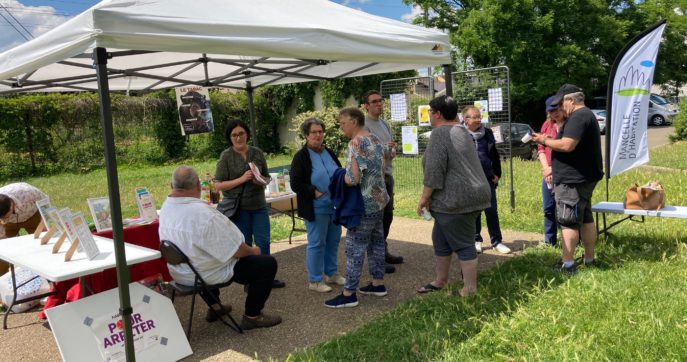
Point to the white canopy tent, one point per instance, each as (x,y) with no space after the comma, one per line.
(156,44)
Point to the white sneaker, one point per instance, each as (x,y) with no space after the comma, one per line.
(335,279)
(319,287)
(478,247)
(502,248)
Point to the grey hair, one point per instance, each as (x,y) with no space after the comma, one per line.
(305,127)
(577,97)
(184,178)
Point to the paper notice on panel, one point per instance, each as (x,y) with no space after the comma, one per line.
(409,139)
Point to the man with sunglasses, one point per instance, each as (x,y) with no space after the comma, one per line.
(374,123)
(18,211)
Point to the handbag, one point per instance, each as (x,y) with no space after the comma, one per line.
(651,196)
(229,206)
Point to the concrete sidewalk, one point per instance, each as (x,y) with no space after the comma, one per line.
(306,320)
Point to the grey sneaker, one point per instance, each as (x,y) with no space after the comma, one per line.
(261,321)
(560,267)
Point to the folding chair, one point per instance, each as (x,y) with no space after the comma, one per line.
(174,256)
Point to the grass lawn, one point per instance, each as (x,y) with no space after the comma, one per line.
(630,308)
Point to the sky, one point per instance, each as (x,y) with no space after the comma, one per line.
(38,16)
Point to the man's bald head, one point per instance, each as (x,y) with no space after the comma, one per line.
(185,178)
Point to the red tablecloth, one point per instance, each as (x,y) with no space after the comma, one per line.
(141,235)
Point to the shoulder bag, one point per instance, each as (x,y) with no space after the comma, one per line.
(229,206)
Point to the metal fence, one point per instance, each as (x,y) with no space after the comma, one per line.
(487,88)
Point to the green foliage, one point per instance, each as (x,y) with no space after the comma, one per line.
(333,138)
(167,126)
(680,123)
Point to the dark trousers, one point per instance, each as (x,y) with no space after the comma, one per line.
(550,225)
(257,272)
(493,224)
(389,209)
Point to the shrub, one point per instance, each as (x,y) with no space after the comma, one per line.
(333,137)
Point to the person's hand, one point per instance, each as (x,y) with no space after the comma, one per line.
(423,203)
(247,176)
(318,194)
(495,180)
(548,179)
(547,171)
(392,148)
(539,137)
(255,250)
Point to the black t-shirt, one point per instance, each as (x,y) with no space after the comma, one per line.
(583,164)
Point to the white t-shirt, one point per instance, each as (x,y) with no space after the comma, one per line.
(206,236)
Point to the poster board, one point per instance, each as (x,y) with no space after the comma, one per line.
(409,139)
(195,112)
(100,210)
(44,207)
(423,116)
(90,329)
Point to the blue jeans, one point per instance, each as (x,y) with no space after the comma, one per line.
(323,246)
(493,224)
(550,225)
(255,224)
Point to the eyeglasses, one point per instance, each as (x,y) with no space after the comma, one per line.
(316,132)
(432,111)
(376,101)
(238,135)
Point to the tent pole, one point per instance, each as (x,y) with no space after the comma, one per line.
(251,114)
(448,79)
(100,58)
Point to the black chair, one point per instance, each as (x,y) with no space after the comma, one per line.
(174,256)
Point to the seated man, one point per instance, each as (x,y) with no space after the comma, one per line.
(216,249)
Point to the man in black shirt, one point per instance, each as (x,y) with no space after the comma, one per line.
(577,167)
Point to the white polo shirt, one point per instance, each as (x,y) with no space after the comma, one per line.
(206,236)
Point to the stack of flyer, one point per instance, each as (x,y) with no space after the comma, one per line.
(146,205)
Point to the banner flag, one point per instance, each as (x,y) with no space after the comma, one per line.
(629,88)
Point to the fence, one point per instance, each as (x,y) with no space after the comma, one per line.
(487,88)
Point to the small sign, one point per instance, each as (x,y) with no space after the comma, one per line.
(423,116)
(399,109)
(100,210)
(43,208)
(83,233)
(409,139)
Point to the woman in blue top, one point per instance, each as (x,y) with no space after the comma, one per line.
(311,170)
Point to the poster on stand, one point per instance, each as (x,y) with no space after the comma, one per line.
(195,113)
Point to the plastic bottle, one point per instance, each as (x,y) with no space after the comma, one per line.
(280,182)
(426,214)
(205,191)
(214,195)
(287,181)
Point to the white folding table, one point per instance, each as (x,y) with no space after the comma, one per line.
(292,213)
(27,252)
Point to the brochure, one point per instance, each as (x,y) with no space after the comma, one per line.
(87,243)
(100,210)
(256,174)
(146,205)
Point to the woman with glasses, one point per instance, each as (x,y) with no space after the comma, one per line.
(311,171)
(18,211)
(234,177)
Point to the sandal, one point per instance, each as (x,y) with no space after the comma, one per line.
(428,288)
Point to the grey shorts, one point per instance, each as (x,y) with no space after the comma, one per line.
(454,233)
(574,204)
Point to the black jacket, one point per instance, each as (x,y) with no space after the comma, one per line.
(491,162)
(301,171)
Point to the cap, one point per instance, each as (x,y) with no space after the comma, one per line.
(550,107)
(562,91)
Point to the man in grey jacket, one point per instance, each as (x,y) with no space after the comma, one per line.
(377,126)
(455,191)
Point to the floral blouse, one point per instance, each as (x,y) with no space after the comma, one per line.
(369,152)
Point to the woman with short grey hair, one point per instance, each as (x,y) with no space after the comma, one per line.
(311,170)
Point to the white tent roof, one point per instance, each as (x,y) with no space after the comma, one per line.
(166,43)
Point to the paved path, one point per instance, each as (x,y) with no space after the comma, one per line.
(306,321)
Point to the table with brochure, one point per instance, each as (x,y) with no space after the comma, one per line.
(275,197)
(27,252)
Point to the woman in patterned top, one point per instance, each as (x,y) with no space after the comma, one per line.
(364,168)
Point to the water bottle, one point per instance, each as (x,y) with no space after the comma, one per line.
(287,181)
(426,214)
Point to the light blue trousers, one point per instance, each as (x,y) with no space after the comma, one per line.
(323,247)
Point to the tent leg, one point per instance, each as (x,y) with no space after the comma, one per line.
(251,114)
(100,59)
(448,78)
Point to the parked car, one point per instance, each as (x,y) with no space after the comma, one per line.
(661,111)
(527,151)
(600,119)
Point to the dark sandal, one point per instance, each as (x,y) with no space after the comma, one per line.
(428,288)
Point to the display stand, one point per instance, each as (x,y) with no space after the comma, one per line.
(71,250)
(48,235)
(58,243)
(39,229)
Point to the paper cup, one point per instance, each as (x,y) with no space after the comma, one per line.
(272,186)
(526,138)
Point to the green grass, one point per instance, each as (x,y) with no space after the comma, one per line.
(672,156)
(630,308)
